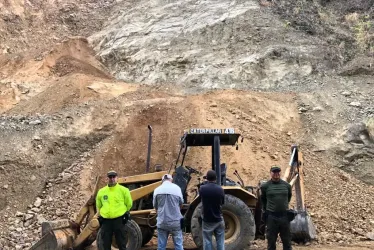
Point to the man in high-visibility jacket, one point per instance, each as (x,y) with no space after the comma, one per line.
(113,203)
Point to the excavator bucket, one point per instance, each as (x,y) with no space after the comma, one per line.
(302,227)
(56,235)
(66,234)
(47,242)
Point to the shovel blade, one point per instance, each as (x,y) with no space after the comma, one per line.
(47,242)
(56,235)
(302,228)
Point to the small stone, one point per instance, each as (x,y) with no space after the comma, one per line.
(355,104)
(6,186)
(370,235)
(274,157)
(36,138)
(35,122)
(19,214)
(213,105)
(33,178)
(27,223)
(38,202)
(317,108)
(346,93)
(59,212)
(35,209)
(40,219)
(302,109)
(29,217)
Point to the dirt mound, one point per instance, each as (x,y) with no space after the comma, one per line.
(23,79)
(69,91)
(269,123)
(73,56)
(220,112)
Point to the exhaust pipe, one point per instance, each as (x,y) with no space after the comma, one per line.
(149,149)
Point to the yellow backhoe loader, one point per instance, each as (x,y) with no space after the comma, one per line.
(241,211)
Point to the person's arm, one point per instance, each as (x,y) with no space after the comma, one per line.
(128,199)
(155,204)
(181,200)
(222,196)
(263,196)
(289,192)
(98,202)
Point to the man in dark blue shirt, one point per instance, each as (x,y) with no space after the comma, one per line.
(212,197)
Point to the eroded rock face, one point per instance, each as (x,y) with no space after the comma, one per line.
(358,152)
(209,44)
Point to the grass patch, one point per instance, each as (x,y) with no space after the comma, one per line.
(363,28)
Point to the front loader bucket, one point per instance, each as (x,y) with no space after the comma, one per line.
(56,235)
(47,242)
(302,228)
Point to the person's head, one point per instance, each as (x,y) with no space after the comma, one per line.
(275,173)
(211,176)
(111,178)
(167,177)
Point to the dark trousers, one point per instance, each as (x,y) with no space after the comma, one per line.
(277,225)
(116,227)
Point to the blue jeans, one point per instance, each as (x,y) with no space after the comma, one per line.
(163,235)
(218,230)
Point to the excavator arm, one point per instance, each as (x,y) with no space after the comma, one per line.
(302,227)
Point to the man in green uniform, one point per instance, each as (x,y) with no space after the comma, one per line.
(275,196)
(113,202)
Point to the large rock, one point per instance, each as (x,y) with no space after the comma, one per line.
(358,152)
(358,133)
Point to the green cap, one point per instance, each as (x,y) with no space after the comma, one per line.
(275,169)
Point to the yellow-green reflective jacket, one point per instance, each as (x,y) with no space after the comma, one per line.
(113,202)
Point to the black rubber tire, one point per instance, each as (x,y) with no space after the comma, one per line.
(134,237)
(242,217)
(147,234)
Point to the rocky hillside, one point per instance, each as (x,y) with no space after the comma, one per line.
(281,72)
(321,50)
